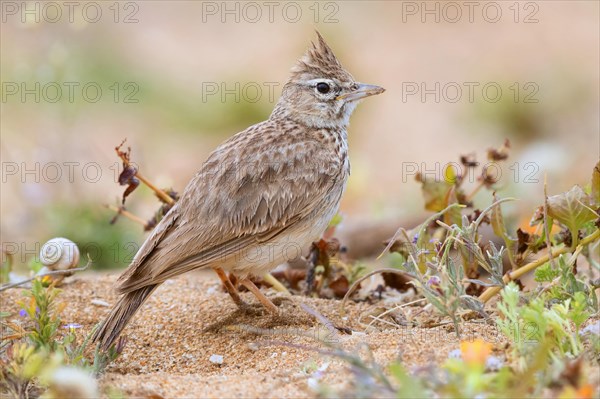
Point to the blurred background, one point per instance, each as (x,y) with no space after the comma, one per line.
(175,78)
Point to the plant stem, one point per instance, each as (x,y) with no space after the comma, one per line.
(366,276)
(275,283)
(160,193)
(127,214)
(50,273)
(574,238)
(553,252)
(546,225)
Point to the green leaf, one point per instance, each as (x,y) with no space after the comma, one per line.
(579,313)
(433,297)
(436,191)
(497,221)
(571,208)
(474,304)
(545,273)
(454,215)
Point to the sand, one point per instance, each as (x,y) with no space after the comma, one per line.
(189,319)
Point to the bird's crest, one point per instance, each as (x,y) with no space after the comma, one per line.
(319,61)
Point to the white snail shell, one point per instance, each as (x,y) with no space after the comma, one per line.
(59,254)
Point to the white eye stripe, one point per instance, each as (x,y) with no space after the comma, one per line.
(335,85)
(314,82)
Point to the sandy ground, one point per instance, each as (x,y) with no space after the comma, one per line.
(172,338)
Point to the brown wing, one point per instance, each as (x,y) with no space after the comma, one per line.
(254,186)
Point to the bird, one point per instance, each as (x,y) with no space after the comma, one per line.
(261,197)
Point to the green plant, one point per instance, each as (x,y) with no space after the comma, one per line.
(40,347)
(562,283)
(23,364)
(39,305)
(449,282)
(527,325)
(443,257)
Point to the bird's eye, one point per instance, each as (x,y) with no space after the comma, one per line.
(323,88)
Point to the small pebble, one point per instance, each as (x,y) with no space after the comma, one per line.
(313,384)
(216,359)
(100,302)
(211,290)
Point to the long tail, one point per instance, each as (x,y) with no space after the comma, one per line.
(120,315)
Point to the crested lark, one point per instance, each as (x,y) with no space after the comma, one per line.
(261,197)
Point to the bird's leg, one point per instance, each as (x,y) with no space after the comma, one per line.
(259,295)
(234,280)
(313,258)
(233,292)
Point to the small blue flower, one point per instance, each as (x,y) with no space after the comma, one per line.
(415,238)
(434,281)
(23,313)
(455,354)
(493,363)
(592,329)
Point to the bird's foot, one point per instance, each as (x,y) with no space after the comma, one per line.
(230,288)
(266,302)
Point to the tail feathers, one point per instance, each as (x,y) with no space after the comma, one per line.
(121,314)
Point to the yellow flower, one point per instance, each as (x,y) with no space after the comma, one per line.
(475,352)
(585,392)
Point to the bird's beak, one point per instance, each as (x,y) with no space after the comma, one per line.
(362,90)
